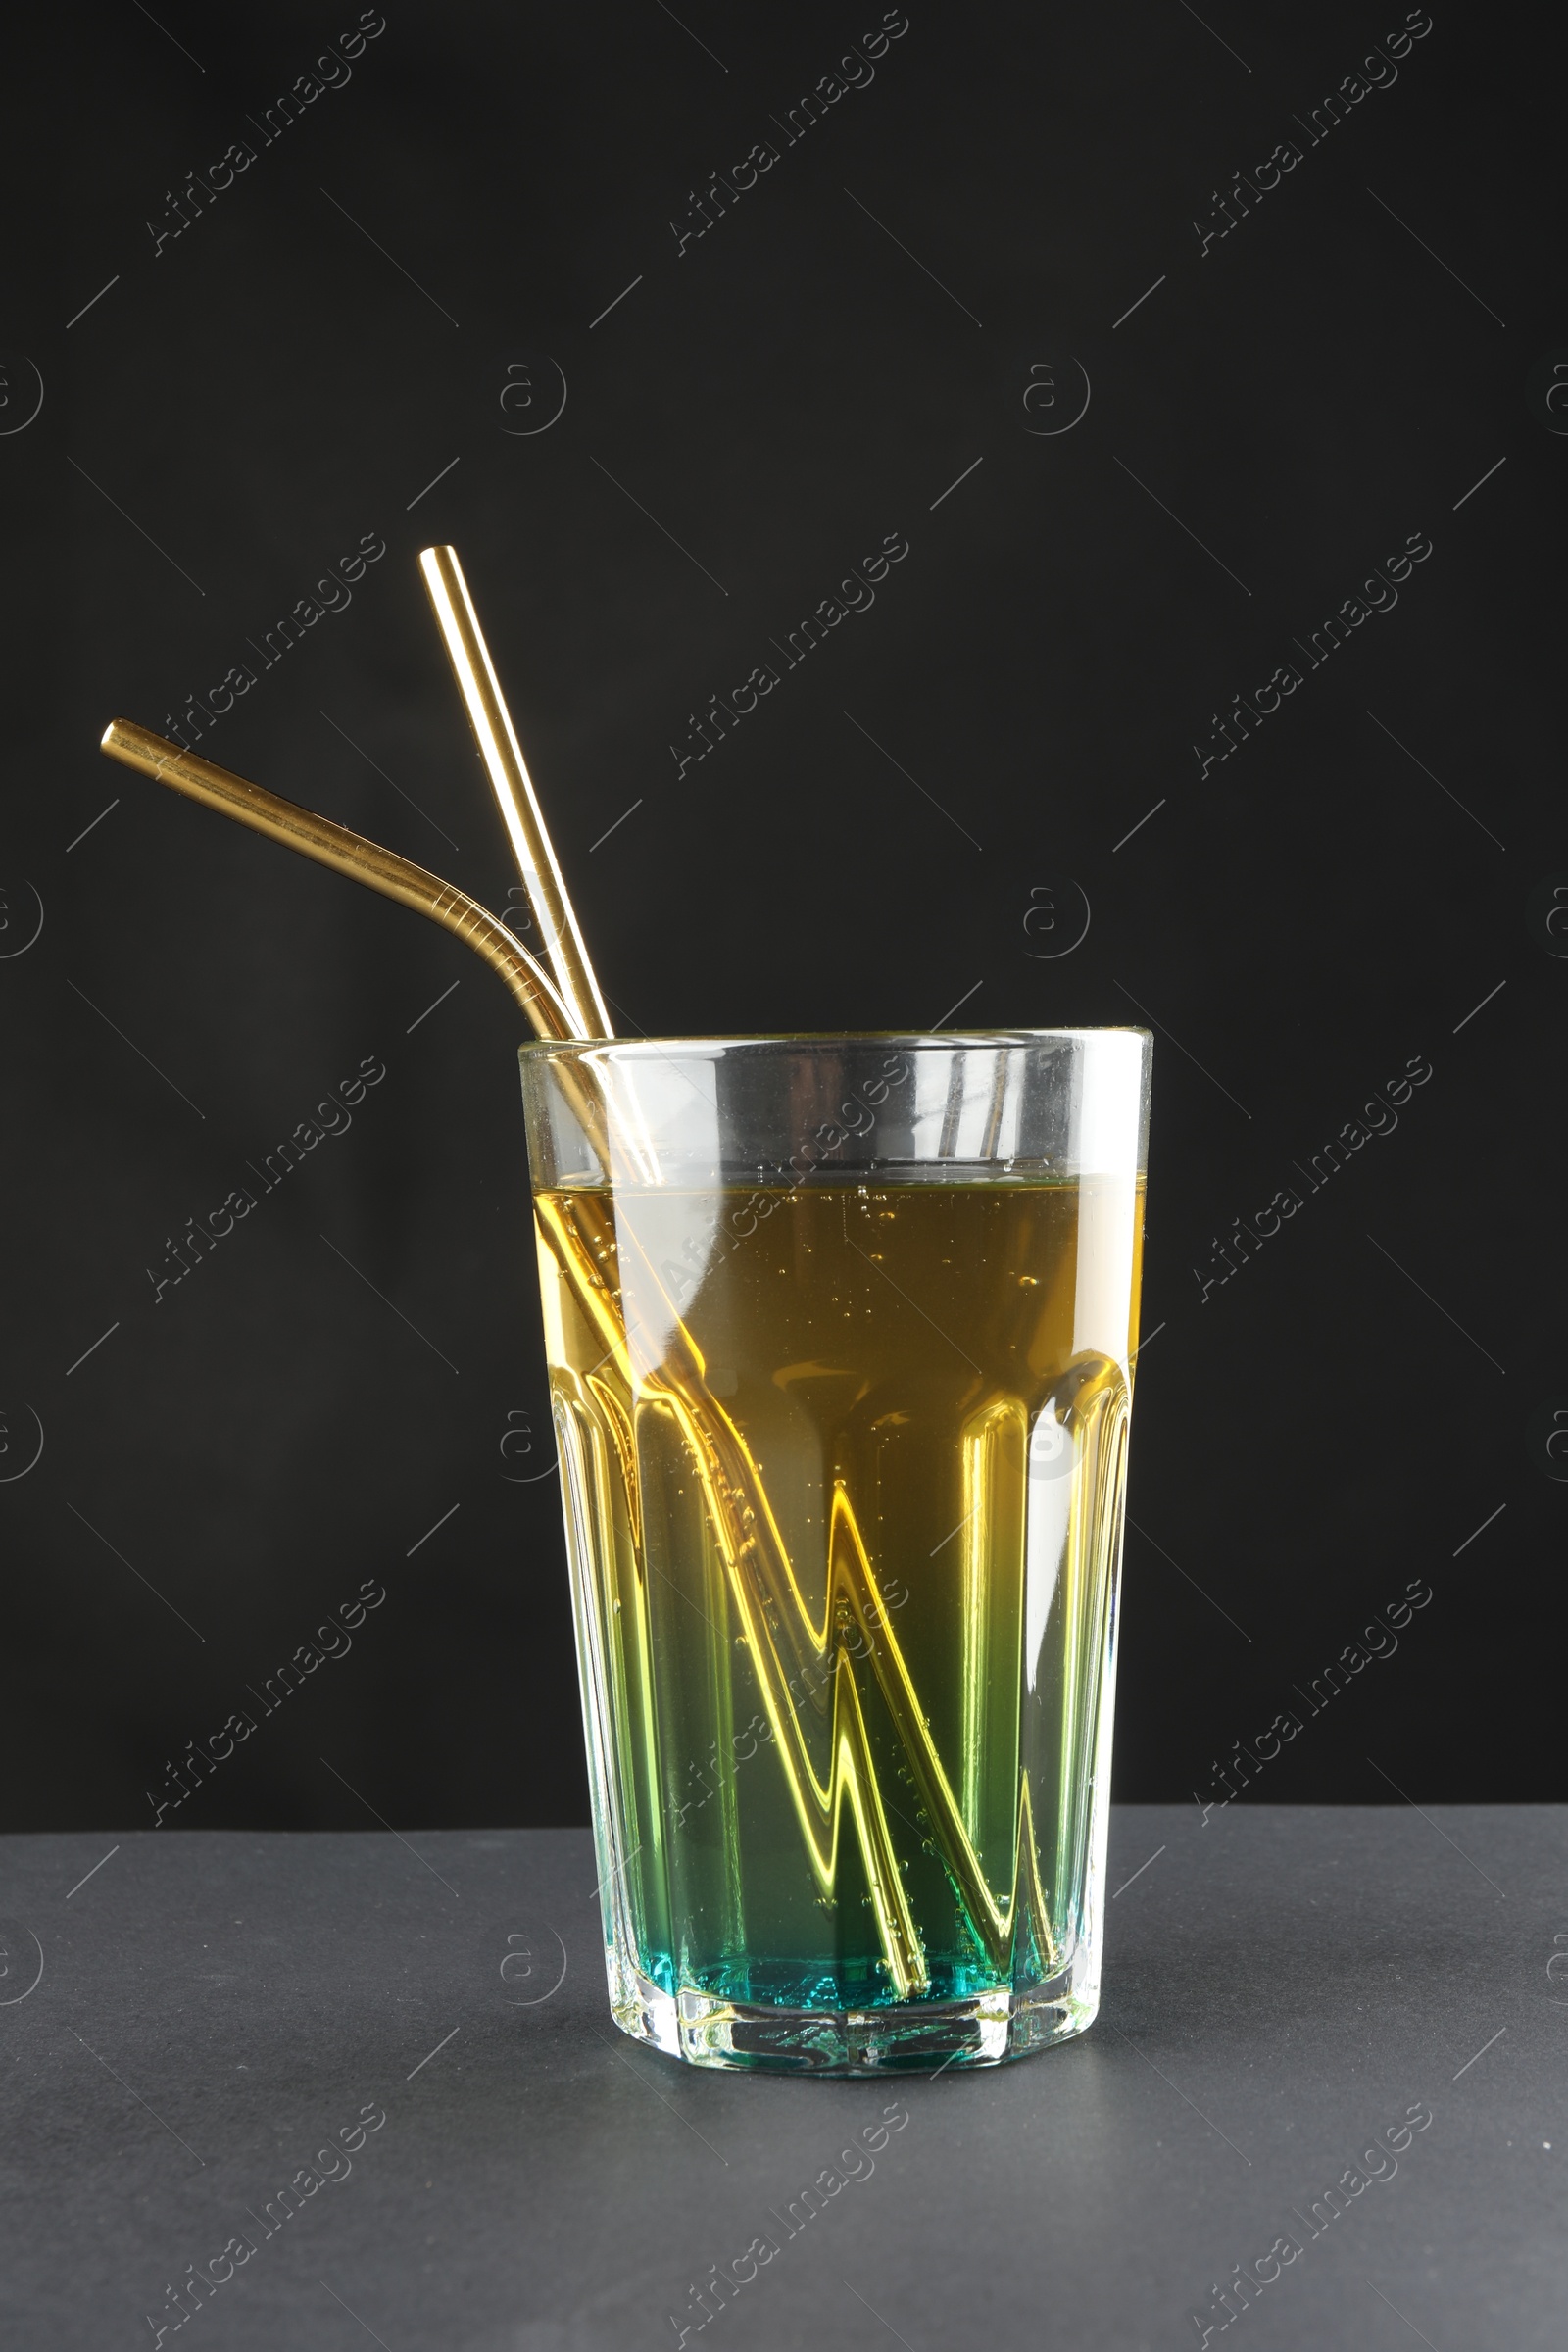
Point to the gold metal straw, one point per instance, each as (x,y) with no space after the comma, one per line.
(349,854)
(480,689)
(763,1581)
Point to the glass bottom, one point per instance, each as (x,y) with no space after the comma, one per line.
(926,2037)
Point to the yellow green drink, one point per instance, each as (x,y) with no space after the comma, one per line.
(841,1452)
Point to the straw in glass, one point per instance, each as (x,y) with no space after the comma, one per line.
(766,1592)
(350,854)
(509,780)
(767,1595)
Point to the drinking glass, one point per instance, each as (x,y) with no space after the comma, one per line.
(841,1333)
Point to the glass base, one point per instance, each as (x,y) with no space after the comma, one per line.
(902,2038)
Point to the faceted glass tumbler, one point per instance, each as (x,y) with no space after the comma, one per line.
(841,1333)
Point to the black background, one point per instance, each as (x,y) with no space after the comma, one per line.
(331,335)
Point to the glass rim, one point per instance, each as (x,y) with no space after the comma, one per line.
(544,1047)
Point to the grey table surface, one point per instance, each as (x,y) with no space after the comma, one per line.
(1287,1989)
